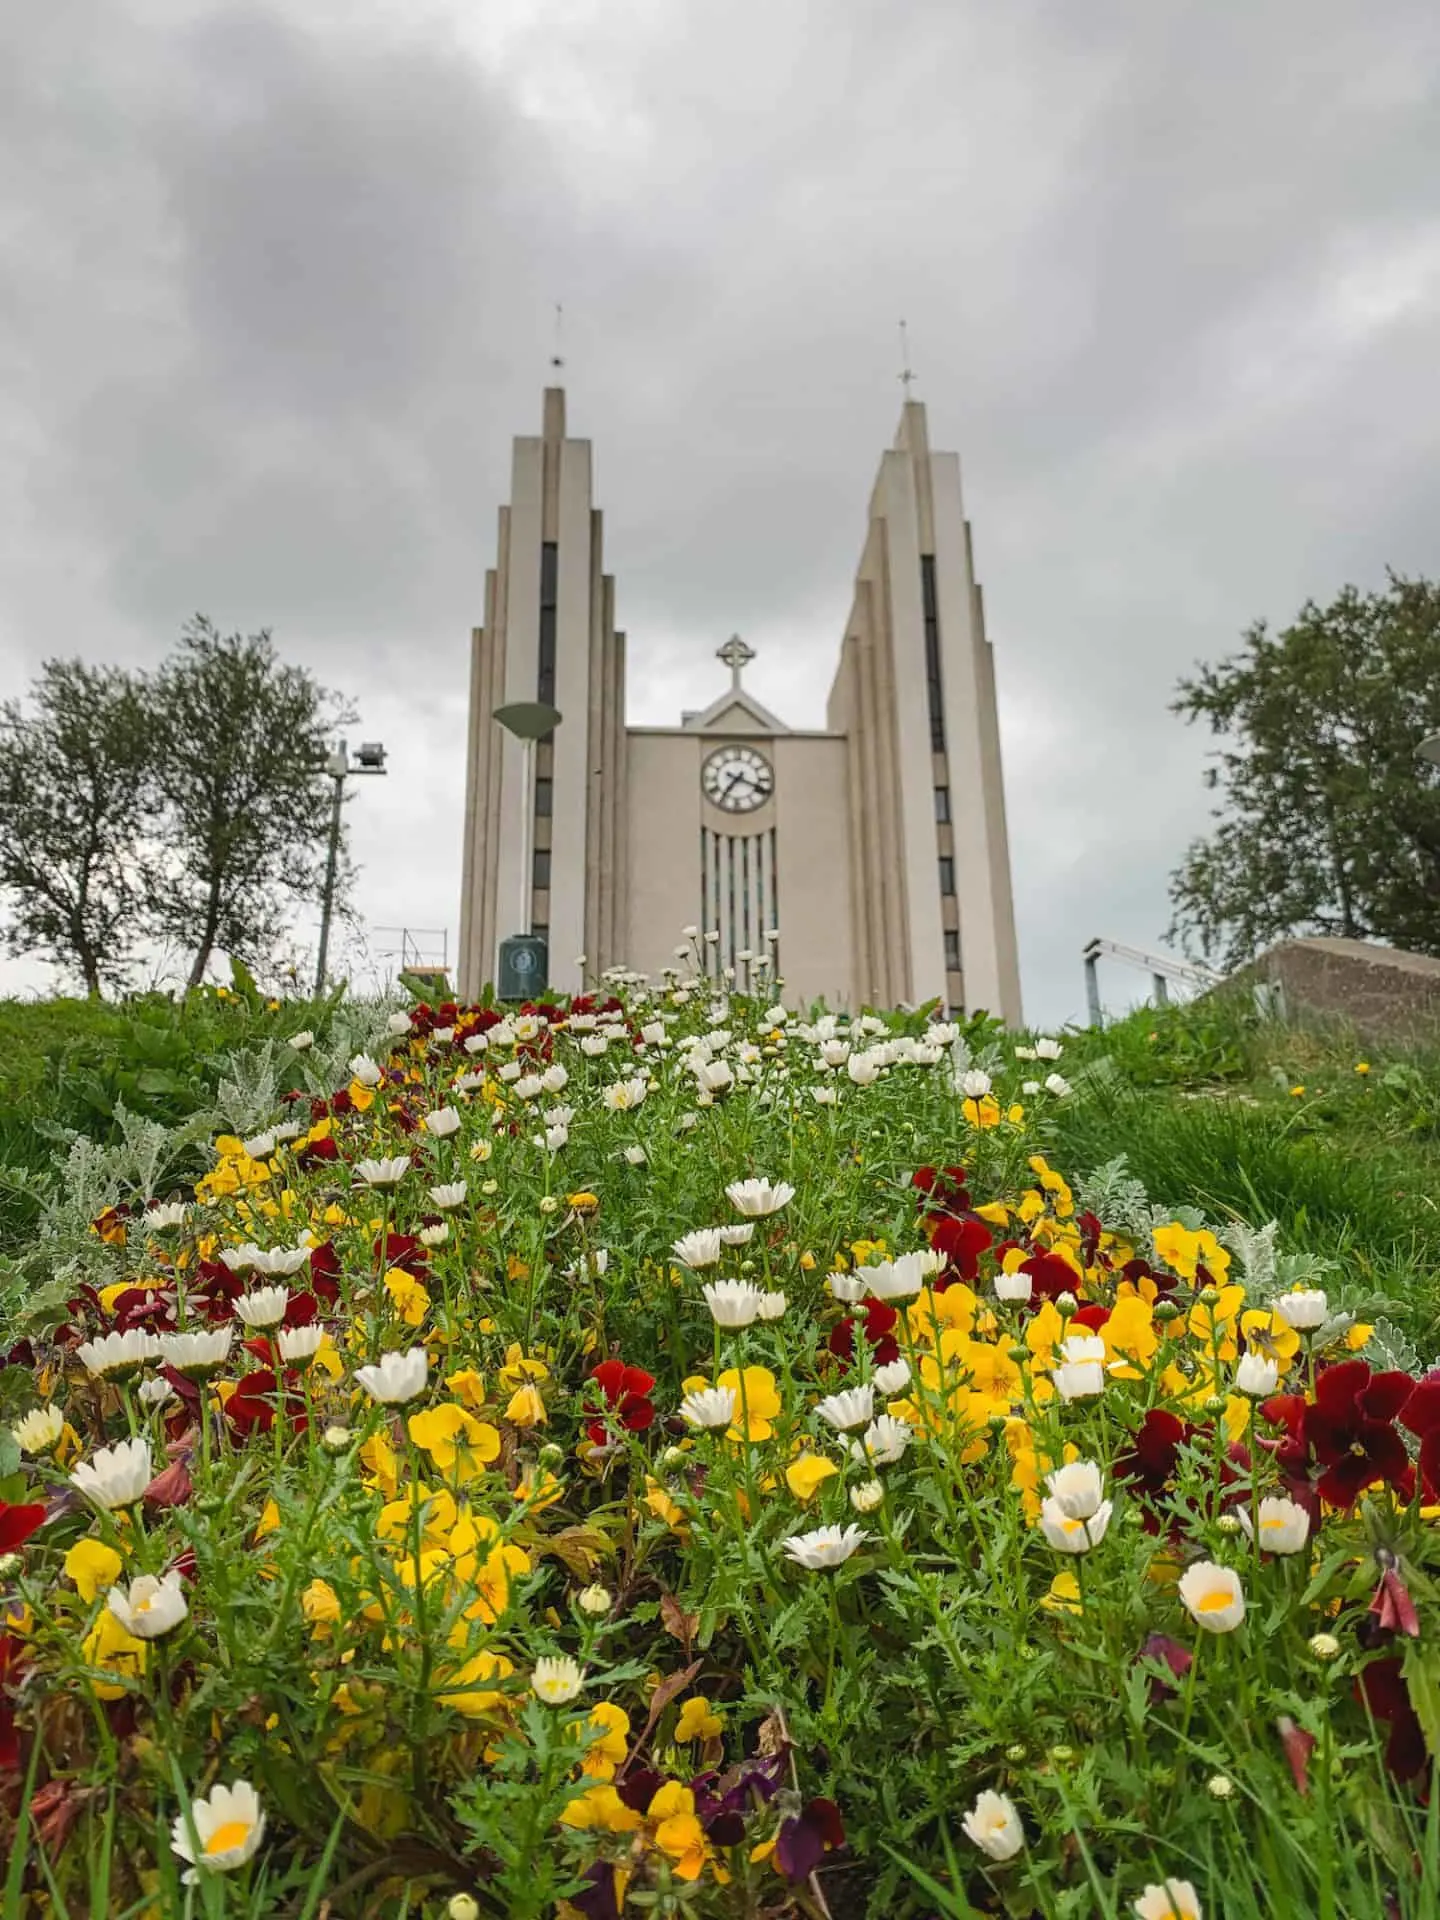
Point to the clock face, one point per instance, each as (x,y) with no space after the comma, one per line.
(738,779)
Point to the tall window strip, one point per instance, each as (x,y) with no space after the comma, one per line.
(549,603)
(933,687)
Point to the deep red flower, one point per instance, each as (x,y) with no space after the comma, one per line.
(1148,1465)
(1350,1429)
(1421,1414)
(325,1272)
(1092,1318)
(18,1523)
(803,1842)
(1298,1746)
(170,1488)
(251,1408)
(1160,1647)
(315,1151)
(1137,1270)
(12,1657)
(144,1307)
(881,1320)
(626,1391)
(1381,1687)
(1050,1276)
(945,1190)
(962,1242)
(1392,1605)
(1090,1234)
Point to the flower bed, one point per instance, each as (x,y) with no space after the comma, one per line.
(655,1455)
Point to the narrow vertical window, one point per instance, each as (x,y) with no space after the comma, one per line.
(933,687)
(942,806)
(947,874)
(952,950)
(549,602)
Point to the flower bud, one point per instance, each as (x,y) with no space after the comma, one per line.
(1020,1355)
(595,1600)
(549,1204)
(335,1439)
(1167,1310)
(1209,1296)
(1061,1754)
(1015,1754)
(10,1565)
(463,1906)
(1324,1646)
(1228,1523)
(1215,1403)
(1066,1304)
(867,1496)
(1220,1786)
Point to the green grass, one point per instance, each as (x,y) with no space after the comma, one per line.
(1214,1106)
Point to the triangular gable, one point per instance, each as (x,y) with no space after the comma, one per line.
(734,712)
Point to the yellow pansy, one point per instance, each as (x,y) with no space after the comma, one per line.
(756,1402)
(982,1113)
(93,1567)
(520,1367)
(1184,1249)
(601,1808)
(1064,1594)
(1213,1326)
(109,1647)
(526,1408)
(1053,1184)
(538,1488)
(607,1751)
(662,1506)
(379,1457)
(698,1721)
(320,1605)
(678,1832)
(807,1473)
(1130,1332)
(467,1386)
(454,1438)
(411,1299)
(1268,1334)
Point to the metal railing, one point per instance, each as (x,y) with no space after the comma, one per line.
(1162,968)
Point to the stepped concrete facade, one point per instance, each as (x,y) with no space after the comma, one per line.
(868,858)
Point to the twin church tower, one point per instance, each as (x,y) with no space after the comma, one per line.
(869,857)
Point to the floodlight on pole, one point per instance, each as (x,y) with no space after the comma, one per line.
(526,721)
(369,758)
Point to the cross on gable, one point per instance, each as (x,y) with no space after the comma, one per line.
(736,656)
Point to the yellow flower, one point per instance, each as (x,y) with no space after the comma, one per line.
(1362,1066)
(1184,1250)
(361,1097)
(520,1368)
(678,1833)
(1130,1332)
(319,1604)
(582,1202)
(269,1521)
(606,1753)
(660,1504)
(467,1387)
(454,1438)
(109,1647)
(1215,1324)
(464,1690)
(1064,1594)
(601,1807)
(379,1457)
(1268,1334)
(409,1296)
(807,1473)
(526,1408)
(93,1567)
(756,1402)
(698,1721)
(982,1113)
(1053,1184)
(1358,1336)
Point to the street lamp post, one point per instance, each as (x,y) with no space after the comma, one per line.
(523,956)
(369,758)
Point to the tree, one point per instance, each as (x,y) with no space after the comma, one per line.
(1329,823)
(241,776)
(77,809)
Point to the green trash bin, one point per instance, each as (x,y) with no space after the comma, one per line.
(524,964)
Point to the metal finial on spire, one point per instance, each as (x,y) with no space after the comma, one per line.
(736,656)
(906,375)
(557,359)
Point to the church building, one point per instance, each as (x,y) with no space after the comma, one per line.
(868,857)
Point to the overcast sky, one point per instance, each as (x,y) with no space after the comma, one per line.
(276,289)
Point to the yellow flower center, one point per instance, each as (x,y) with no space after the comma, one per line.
(231,1833)
(1215,1601)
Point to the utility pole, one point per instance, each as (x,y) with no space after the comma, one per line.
(369,758)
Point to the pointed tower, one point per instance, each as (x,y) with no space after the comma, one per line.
(549,635)
(933,916)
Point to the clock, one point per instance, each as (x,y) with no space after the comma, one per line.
(738,779)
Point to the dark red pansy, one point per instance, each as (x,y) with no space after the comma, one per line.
(325,1272)
(962,1242)
(803,1842)
(144,1307)
(1147,1466)
(315,1151)
(18,1523)
(1160,1648)
(341,1102)
(1381,1687)
(626,1391)
(1092,1318)
(251,1408)
(403,1250)
(639,1788)
(1421,1414)
(1350,1429)
(1050,1276)
(12,1657)
(1090,1235)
